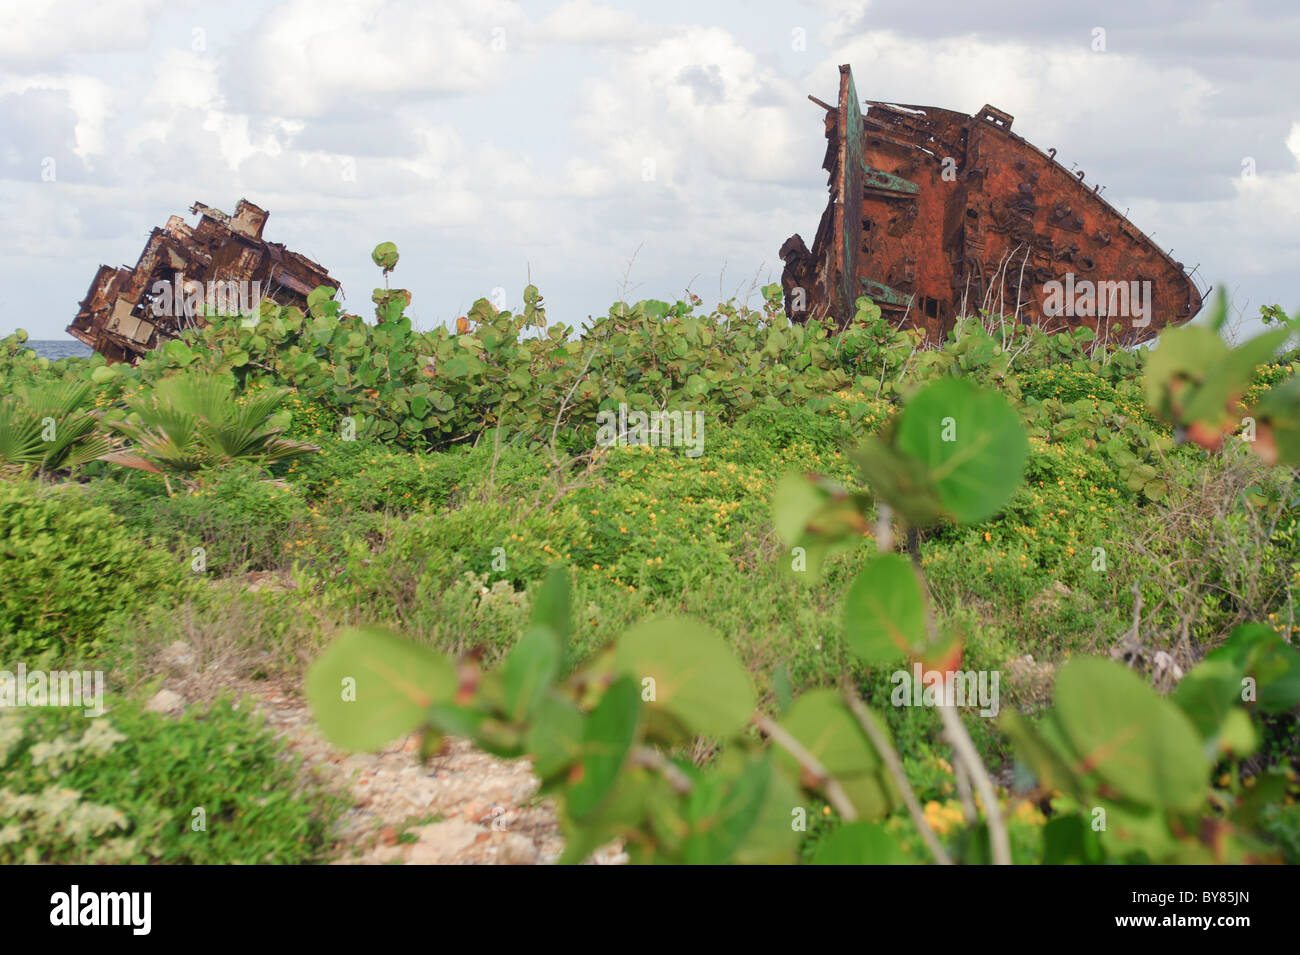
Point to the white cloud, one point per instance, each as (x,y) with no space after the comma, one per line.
(89,98)
(582,21)
(843,16)
(689,99)
(357,121)
(45,32)
(306,55)
(1059,90)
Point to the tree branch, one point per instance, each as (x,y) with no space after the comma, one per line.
(834,791)
(653,759)
(895,767)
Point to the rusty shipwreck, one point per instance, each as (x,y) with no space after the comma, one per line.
(935,214)
(222,264)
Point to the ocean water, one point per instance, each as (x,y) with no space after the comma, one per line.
(60,348)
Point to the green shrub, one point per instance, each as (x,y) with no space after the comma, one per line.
(242,521)
(68,568)
(1282,825)
(769,428)
(369,476)
(126,788)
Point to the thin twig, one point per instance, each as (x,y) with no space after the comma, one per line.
(895,767)
(965,750)
(655,760)
(563,404)
(963,791)
(884,528)
(962,745)
(811,765)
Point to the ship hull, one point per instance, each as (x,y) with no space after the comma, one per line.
(934,214)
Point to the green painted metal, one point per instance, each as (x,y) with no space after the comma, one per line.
(882,294)
(848,212)
(888,182)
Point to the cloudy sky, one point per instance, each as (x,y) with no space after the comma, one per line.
(492,140)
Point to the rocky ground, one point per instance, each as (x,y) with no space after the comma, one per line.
(462,807)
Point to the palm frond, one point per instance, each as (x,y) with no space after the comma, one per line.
(189,421)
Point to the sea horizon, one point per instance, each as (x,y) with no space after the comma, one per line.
(56,348)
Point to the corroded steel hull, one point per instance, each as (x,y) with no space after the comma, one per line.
(935,214)
(123,315)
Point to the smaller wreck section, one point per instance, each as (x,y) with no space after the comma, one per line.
(219,266)
(935,214)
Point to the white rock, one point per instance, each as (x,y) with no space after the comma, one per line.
(517,850)
(438,843)
(179,655)
(166,702)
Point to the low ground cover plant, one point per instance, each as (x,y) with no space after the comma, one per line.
(1132,539)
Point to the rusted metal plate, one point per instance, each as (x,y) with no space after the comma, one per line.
(220,265)
(958,213)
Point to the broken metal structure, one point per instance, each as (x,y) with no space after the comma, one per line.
(128,312)
(935,214)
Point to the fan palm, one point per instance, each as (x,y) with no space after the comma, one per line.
(49,427)
(191,422)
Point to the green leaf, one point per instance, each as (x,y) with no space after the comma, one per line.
(722,809)
(1194,355)
(621,814)
(884,613)
(393,682)
(452,720)
(606,738)
(695,678)
(825,727)
(551,605)
(1069,840)
(1264,656)
(554,738)
(782,689)
(178,352)
(1141,744)
(1238,736)
(1051,764)
(385,256)
(971,442)
(1278,424)
(794,503)
(530,668)
(772,839)
(900,480)
(1208,693)
(861,843)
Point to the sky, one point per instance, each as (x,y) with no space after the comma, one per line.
(607,150)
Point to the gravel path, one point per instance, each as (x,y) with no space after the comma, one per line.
(462,807)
